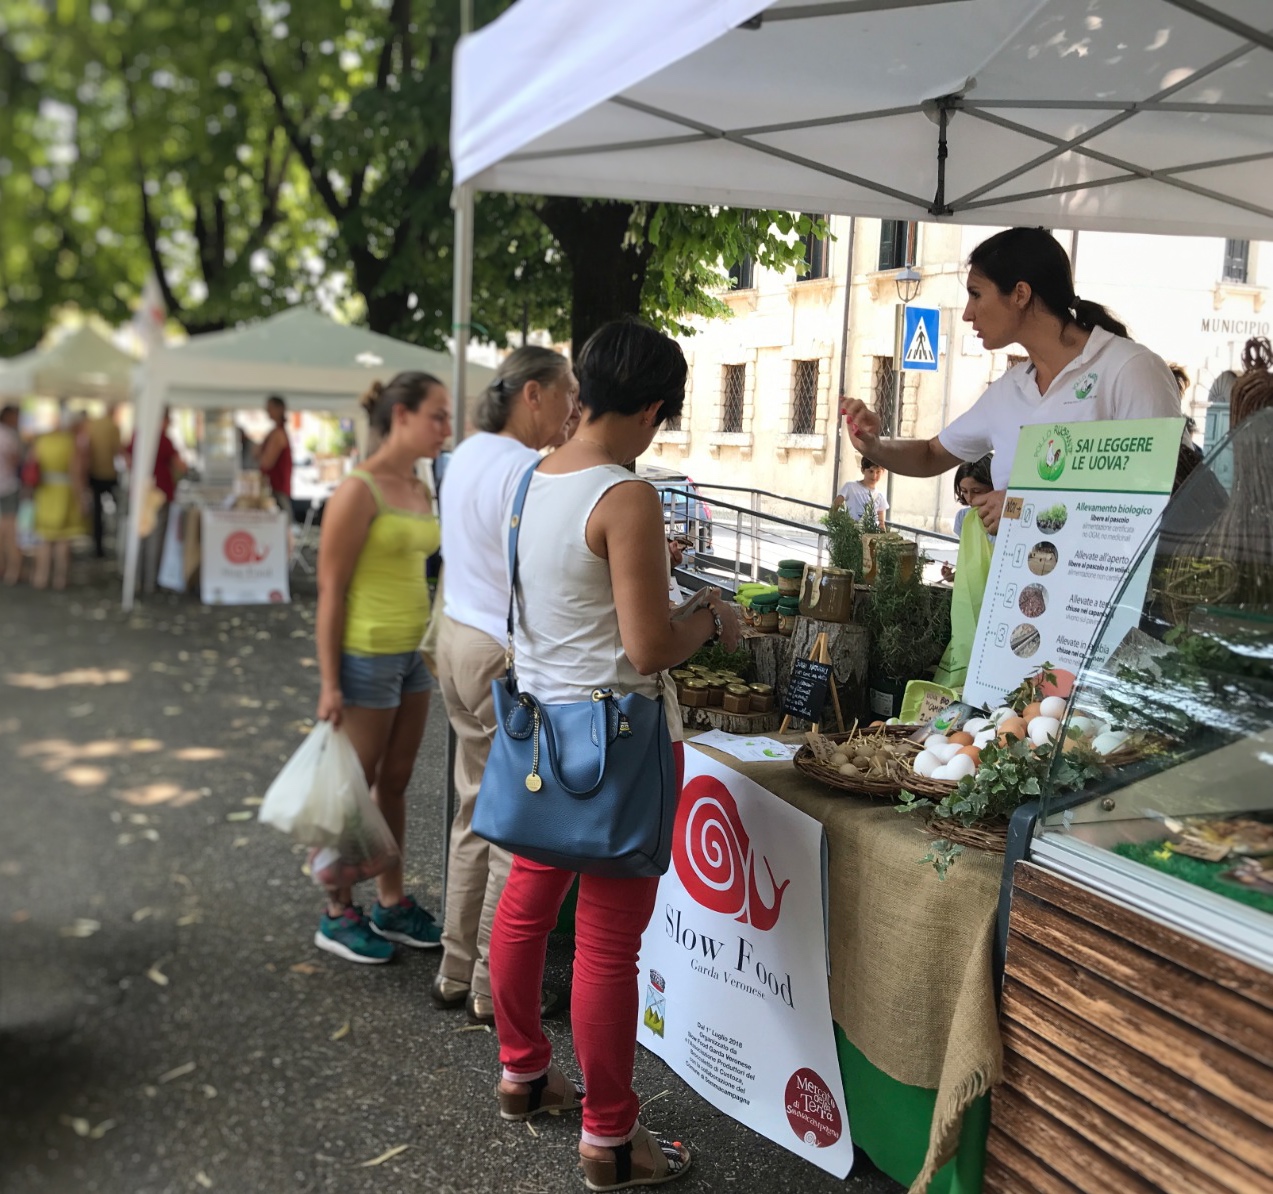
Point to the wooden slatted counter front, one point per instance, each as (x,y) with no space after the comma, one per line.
(1136,1059)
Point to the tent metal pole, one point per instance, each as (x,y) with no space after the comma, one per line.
(147,417)
(461,313)
(1230,24)
(844,362)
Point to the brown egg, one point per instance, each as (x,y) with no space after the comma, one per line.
(874,724)
(1014,726)
(962,737)
(1031,711)
(973,752)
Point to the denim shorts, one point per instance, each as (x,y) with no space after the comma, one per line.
(381,681)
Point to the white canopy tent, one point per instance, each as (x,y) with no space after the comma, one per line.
(1116,115)
(315,363)
(1150,116)
(83,364)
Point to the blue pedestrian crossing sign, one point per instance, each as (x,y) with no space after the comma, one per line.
(919,339)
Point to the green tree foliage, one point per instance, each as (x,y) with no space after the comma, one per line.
(158,145)
(256,153)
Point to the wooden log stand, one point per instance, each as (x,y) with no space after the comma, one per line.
(1135,1058)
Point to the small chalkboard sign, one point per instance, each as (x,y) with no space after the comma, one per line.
(806,690)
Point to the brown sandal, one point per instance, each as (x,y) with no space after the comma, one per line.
(552,1094)
(643,1161)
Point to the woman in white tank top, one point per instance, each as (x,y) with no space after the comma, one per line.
(593,613)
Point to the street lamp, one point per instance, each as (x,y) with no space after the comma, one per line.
(908,282)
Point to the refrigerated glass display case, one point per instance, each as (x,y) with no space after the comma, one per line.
(1180,826)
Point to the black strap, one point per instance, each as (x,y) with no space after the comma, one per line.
(514,529)
(535,1098)
(623,1163)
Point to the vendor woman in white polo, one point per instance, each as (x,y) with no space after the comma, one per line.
(1082,367)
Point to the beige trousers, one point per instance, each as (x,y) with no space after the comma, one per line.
(468,661)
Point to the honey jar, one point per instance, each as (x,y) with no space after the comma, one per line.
(737,699)
(693,693)
(762,697)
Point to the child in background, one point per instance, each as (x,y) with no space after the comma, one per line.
(858,494)
(972,479)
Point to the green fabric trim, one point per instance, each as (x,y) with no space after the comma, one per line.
(890,1123)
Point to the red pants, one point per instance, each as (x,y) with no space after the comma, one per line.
(611,917)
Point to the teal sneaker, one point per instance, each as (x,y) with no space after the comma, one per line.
(349,936)
(407,924)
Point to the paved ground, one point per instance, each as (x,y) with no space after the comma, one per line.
(165,1022)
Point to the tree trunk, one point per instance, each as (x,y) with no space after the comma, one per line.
(607,268)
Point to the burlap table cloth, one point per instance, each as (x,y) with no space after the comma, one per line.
(911,982)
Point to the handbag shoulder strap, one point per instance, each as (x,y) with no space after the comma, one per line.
(514,529)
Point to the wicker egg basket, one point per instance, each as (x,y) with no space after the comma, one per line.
(812,759)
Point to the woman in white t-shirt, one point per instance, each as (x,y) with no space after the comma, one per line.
(1081,367)
(593,613)
(523,410)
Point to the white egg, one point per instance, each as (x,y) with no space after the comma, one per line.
(974,725)
(1042,729)
(983,737)
(1053,706)
(1086,726)
(1109,741)
(958,767)
(1004,711)
(935,740)
(945,752)
(925,764)
(893,721)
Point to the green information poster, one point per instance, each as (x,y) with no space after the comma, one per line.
(1082,499)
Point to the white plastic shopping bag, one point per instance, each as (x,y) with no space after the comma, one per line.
(321,799)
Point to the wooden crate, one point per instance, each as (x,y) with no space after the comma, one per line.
(1135,1058)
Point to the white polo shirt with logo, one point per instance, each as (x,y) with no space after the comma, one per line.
(1112,378)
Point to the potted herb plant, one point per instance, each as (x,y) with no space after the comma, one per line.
(844,540)
(872,535)
(909,623)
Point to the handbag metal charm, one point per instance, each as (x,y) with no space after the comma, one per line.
(533,782)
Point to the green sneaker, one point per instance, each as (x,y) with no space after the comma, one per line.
(407,924)
(349,936)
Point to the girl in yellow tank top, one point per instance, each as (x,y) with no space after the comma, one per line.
(387,601)
(379,528)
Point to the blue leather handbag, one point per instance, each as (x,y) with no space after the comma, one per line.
(588,786)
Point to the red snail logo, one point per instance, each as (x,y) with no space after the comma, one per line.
(240,548)
(714,858)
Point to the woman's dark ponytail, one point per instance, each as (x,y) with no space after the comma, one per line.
(1035,257)
(1093,315)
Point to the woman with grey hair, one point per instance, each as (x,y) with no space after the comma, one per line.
(524,410)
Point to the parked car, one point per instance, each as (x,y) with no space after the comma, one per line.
(685,514)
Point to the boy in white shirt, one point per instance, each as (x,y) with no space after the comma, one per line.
(857,495)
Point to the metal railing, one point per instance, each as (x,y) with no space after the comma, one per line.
(737,543)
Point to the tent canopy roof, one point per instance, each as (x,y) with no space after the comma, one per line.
(311,360)
(83,364)
(1118,115)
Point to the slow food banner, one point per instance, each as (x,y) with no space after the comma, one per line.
(1082,499)
(244,557)
(734,965)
